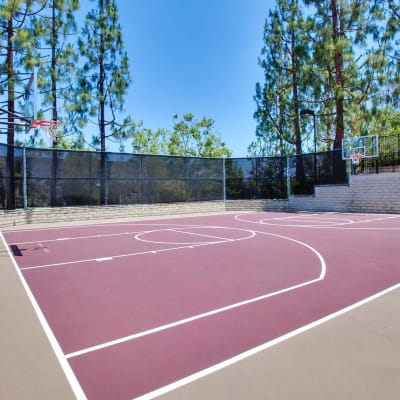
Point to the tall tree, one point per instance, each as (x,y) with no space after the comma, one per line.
(104,77)
(17,45)
(17,58)
(149,141)
(278,100)
(189,137)
(344,72)
(56,26)
(386,116)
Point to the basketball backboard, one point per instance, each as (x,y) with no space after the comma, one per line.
(365,146)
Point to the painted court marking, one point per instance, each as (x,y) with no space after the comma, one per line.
(180,246)
(314,223)
(75,385)
(248,234)
(305,220)
(217,367)
(218,310)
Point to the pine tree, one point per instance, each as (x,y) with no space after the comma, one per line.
(56,27)
(104,77)
(345,72)
(18,60)
(278,100)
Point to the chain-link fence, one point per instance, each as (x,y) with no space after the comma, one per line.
(48,177)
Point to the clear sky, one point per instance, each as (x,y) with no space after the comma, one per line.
(195,56)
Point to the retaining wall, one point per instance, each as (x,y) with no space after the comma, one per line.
(366,193)
(373,193)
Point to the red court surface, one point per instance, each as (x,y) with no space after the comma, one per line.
(136,309)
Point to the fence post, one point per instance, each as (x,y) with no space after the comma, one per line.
(24,178)
(287,176)
(223,179)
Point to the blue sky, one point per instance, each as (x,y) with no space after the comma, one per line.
(195,56)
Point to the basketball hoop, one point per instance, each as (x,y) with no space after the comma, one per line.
(356,158)
(50,125)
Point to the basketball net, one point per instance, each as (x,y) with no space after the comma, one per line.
(356,158)
(50,126)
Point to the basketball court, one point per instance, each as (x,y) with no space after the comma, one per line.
(188,307)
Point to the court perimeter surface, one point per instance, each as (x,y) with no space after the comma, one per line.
(251,305)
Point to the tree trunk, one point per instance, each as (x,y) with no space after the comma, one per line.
(11,118)
(102,112)
(337,33)
(53,190)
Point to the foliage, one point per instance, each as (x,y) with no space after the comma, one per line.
(282,59)
(347,61)
(55,26)
(104,78)
(189,137)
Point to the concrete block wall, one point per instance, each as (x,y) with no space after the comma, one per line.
(325,198)
(378,193)
(256,205)
(374,193)
(69,214)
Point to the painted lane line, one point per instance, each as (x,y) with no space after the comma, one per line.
(203,235)
(72,380)
(291,221)
(103,259)
(186,320)
(111,257)
(250,234)
(249,353)
(215,311)
(112,224)
(338,226)
(79,237)
(377,219)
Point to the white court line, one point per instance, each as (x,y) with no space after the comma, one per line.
(215,311)
(71,378)
(294,219)
(329,225)
(220,240)
(112,257)
(94,225)
(97,235)
(124,233)
(76,238)
(224,364)
(184,246)
(203,235)
(185,320)
(302,223)
(378,219)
